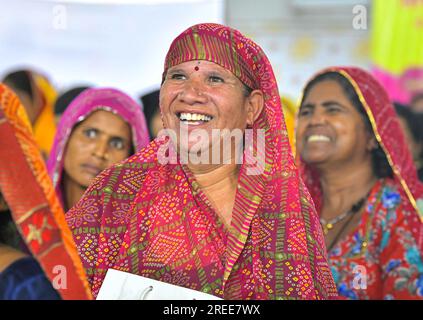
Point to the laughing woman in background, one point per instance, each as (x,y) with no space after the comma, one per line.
(361,175)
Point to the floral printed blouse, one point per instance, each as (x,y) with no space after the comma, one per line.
(379,259)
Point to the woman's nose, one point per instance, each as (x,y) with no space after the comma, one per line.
(101,149)
(193,92)
(317,117)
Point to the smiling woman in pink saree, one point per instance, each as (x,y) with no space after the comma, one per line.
(257,236)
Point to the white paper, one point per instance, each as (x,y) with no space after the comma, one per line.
(119,285)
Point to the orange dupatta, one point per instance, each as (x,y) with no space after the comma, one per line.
(28,191)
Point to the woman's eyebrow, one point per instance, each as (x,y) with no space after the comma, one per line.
(89,127)
(307,105)
(119,137)
(112,136)
(329,103)
(175,71)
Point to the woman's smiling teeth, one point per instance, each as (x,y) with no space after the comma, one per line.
(193,118)
(318,138)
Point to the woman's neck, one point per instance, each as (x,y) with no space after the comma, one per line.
(72,192)
(212,176)
(219,183)
(345,187)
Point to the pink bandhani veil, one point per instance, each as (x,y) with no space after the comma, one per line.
(153,220)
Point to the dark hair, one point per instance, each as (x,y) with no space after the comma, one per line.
(380,164)
(414,122)
(66,98)
(20,80)
(246,90)
(9,234)
(150,102)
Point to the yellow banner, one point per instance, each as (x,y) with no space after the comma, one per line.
(397,34)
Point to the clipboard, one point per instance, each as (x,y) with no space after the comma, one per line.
(120,285)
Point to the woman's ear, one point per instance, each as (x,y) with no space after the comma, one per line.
(255,104)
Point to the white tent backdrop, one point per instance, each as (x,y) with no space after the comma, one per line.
(97,42)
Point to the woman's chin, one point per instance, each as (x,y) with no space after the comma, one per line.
(315,159)
(194,152)
(85,180)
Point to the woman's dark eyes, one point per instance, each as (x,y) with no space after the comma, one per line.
(177,76)
(216,79)
(117,143)
(90,133)
(304,112)
(333,109)
(180,76)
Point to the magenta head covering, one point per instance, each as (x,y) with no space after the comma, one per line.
(83,106)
